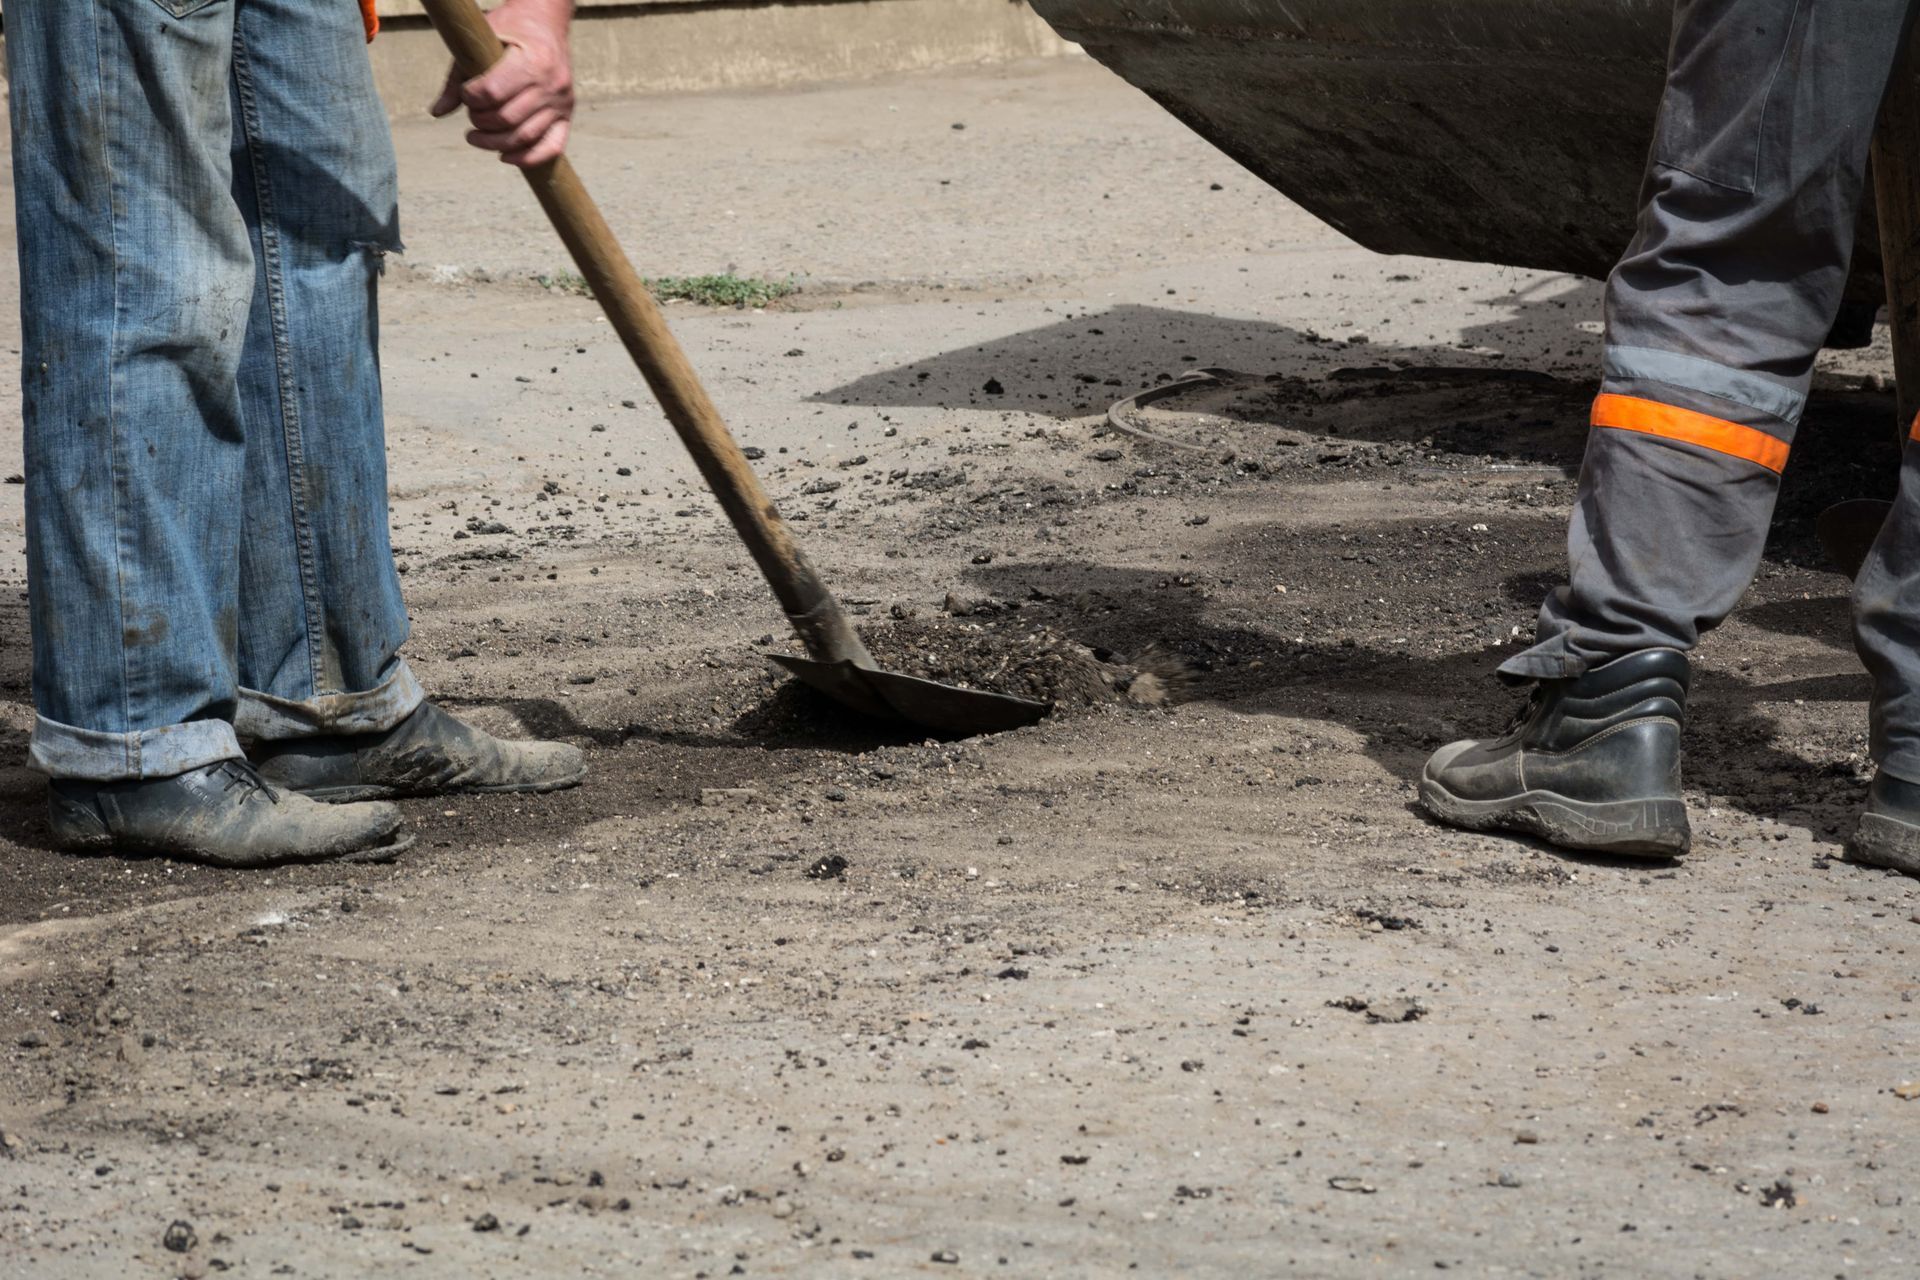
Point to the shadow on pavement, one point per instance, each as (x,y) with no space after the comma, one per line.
(1082,364)
(1404,704)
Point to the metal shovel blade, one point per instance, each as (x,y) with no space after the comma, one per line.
(886,695)
(1846,531)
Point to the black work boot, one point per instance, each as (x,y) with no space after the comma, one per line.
(1591,763)
(1889,831)
(427,754)
(222,814)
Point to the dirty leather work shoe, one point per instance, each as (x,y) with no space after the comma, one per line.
(223,814)
(1591,763)
(1889,831)
(429,753)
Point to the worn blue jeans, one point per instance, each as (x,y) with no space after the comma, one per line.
(205,192)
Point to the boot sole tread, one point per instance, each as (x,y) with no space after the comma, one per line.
(386,849)
(1655,828)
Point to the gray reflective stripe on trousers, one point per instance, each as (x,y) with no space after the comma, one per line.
(1740,386)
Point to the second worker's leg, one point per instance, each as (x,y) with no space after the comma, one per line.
(328,703)
(1714,317)
(1886,604)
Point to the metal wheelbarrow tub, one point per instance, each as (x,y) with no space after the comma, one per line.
(1505,131)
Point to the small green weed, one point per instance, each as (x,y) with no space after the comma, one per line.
(721,291)
(709,291)
(564,282)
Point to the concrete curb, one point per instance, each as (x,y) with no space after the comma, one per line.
(677,46)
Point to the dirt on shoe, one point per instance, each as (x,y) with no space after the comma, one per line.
(428,753)
(224,815)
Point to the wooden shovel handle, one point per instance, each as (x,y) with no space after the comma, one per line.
(823,626)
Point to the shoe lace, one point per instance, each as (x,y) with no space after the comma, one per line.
(239,775)
(1526,709)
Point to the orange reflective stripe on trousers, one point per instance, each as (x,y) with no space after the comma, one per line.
(1650,417)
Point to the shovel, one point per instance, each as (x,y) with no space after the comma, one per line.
(837,661)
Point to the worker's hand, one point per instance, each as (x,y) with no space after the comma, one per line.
(522,106)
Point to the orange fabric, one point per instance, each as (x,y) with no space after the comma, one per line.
(1913,432)
(371,18)
(1650,417)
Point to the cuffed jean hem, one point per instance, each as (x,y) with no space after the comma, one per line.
(265,718)
(62,751)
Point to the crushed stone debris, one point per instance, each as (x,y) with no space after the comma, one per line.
(1016,656)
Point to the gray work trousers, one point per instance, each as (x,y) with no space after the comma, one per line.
(1714,317)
